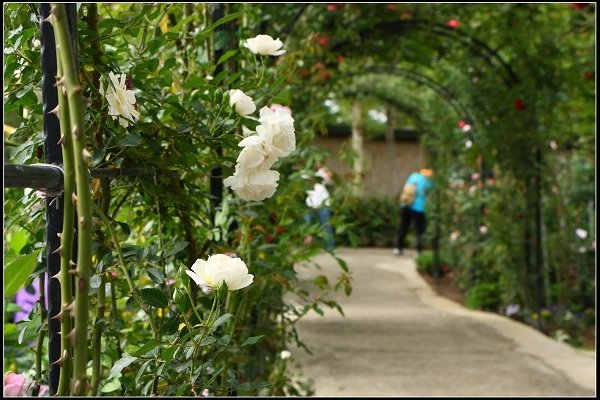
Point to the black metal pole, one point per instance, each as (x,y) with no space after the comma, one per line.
(54,204)
(46,177)
(50,178)
(216,175)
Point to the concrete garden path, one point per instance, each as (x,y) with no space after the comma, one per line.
(399,338)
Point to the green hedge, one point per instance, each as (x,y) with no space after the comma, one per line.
(369,222)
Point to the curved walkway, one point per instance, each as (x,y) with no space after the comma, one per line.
(399,338)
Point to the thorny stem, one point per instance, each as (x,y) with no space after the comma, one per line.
(84,256)
(97,339)
(113,297)
(124,269)
(42,333)
(66,242)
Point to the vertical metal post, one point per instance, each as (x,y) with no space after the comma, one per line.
(216,175)
(54,204)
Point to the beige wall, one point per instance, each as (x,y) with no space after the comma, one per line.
(386,169)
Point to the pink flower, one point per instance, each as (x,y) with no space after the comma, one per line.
(582,233)
(308,239)
(205,393)
(19,384)
(483,229)
(453,23)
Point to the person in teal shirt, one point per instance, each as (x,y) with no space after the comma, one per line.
(415,211)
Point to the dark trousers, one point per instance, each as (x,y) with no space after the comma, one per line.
(407,216)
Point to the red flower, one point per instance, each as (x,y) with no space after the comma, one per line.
(128,83)
(453,23)
(578,6)
(280,229)
(325,74)
(304,73)
(319,65)
(324,40)
(331,7)
(340,58)
(461,123)
(589,75)
(391,6)
(519,105)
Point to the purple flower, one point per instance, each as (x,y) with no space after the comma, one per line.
(512,309)
(26,299)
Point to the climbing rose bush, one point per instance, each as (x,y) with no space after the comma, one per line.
(275,137)
(265,45)
(121,100)
(219,269)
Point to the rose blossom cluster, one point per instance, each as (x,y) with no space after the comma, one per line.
(275,137)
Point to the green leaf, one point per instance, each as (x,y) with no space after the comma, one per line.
(221,320)
(154,297)
(227,56)
(17,272)
(120,365)
(111,386)
(19,240)
(168,353)
(208,340)
(177,247)
(98,156)
(224,20)
(156,275)
(124,227)
(252,340)
(146,348)
(170,326)
(133,139)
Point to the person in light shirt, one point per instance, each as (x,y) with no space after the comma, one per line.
(318,199)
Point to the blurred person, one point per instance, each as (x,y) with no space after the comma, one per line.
(412,202)
(318,199)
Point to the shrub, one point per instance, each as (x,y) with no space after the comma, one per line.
(425,263)
(484,296)
(372,221)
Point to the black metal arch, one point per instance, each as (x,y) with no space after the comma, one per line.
(478,46)
(441,90)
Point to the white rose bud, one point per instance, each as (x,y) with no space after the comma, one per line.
(241,102)
(264,45)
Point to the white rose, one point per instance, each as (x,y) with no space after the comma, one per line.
(221,268)
(241,102)
(265,45)
(120,99)
(253,185)
(255,154)
(277,130)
